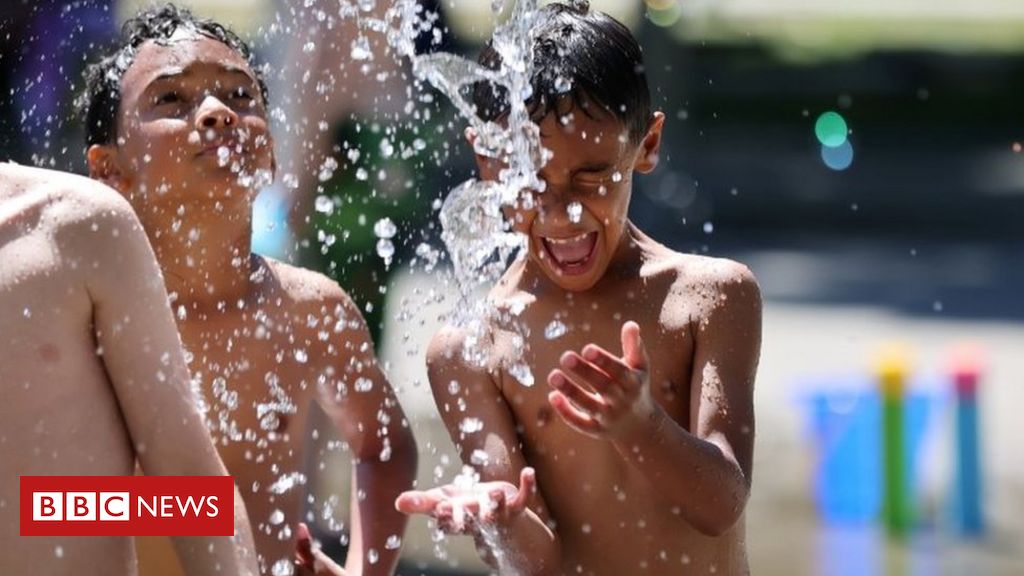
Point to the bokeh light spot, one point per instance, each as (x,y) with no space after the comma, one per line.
(830,128)
(838,158)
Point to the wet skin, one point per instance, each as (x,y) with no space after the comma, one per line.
(92,369)
(640,427)
(193,126)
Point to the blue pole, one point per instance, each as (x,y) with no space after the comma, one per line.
(967,509)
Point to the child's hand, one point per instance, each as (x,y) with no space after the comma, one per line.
(460,510)
(311,561)
(600,394)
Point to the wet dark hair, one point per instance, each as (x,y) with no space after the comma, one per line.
(580,58)
(99,103)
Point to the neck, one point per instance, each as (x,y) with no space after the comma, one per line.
(206,259)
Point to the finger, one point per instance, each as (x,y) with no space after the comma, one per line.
(588,373)
(616,368)
(417,502)
(633,350)
(494,507)
(303,547)
(573,416)
(326,565)
(527,488)
(584,400)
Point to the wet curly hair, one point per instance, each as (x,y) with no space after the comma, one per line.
(100,101)
(580,57)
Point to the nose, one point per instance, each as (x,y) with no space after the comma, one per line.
(214,114)
(552,204)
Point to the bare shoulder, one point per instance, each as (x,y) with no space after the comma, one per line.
(320,312)
(89,224)
(303,285)
(310,292)
(66,199)
(698,287)
(457,353)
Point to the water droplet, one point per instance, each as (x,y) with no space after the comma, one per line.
(308,47)
(270,422)
(283,567)
(385,249)
(324,205)
(384,228)
(286,482)
(522,373)
(58,551)
(471,425)
(363,385)
(362,174)
(361,49)
(617,176)
(223,155)
(555,330)
(393,543)
(276,517)
(479,458)
(562,85)
(575,211)
(27,312)
(300,355)
(372,556)
(709,227)
(219,387)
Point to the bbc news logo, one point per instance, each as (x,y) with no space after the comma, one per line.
(127,506)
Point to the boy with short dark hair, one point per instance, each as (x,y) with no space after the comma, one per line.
(177,122)
(636,458)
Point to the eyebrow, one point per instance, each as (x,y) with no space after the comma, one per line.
(174,73)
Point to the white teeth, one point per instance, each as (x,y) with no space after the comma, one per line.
(565,241)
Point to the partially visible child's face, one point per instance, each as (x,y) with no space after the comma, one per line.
(192,121)
(577,223)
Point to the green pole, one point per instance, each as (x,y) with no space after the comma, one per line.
(897,509)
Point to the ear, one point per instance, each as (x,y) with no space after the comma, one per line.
(489,168)
(273,159)
(647,156)
(103,166)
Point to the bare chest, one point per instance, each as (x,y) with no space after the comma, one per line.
(530,360)
(257,379)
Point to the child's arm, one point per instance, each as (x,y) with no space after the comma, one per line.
(368,415)
(512,533)
(706,472)
(142,354)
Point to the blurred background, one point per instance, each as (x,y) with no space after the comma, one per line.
(863,158)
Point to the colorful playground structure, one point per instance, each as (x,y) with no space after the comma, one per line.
(900,450)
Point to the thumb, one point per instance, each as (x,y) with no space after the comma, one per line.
(633,351)
(527,488)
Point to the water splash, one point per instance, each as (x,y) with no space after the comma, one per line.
(479,240)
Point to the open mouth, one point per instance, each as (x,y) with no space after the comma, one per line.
(213,149)
(572,255)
